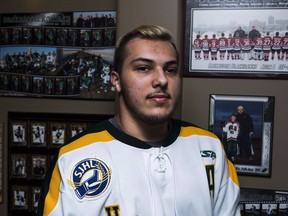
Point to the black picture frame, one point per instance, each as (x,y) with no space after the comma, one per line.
(222,18)
(38,133)
(19,165)
(38,166)
(57,133)
(261,111)
(19,197)
(18,134)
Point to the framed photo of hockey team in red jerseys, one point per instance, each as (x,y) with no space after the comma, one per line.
(244,124)
(236,39)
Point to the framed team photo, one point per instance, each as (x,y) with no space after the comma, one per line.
(39,166)
(235,39)
(20,197)
(244,124)
(35,191)
(57,133)
(18,165)
(38,133)
(19,133)
(76,128)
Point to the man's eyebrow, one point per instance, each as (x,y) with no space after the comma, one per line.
(152,61)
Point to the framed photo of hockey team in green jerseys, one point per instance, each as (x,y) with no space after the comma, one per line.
(244,124)
(236,39)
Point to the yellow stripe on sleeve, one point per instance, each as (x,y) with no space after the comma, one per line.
(232,173)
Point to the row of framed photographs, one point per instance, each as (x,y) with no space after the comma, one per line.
(84,37)
(35,84)
(264,208)
(29,166)
(24,197)
(43,133)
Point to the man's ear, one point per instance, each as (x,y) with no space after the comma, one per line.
(115,80)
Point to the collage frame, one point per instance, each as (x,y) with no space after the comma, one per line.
(58,54)
(261,110)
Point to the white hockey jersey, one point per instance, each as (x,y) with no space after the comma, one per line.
(104,172)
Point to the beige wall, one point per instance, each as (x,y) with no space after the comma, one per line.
(196,91)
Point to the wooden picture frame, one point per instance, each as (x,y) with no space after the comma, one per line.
(57,134)
(35,194)
(19,133)
(76,128)
(38,166)
(20,197)
(18,165)
(38,130)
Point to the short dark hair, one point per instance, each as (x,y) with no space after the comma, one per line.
(149,32)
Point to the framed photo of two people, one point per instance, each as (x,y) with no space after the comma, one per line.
(244,124)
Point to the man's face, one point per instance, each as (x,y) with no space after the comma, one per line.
(149,82)
(240,110)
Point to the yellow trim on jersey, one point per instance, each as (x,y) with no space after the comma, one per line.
(190,130)
(53,193)
(232,173)
(88,139)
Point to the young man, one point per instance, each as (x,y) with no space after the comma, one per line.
(142,162)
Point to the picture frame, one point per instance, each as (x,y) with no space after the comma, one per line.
(38,166)
(257,201)
(57,133)
(251,153)
(18,165)
(212,49)
(1,160)
(76,128)
(20,197)
(19,133)
(55,57)
(35,193)
(38,130)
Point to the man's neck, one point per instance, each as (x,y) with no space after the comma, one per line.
(142,130)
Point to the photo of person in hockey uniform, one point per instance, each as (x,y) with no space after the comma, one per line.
(276,47)
(231,130)
(284,45)
(222,44)
(38,134)
(197,47)
(205,47)
(267,43)
(213,47)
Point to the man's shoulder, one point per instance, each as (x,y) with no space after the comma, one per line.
(189,128)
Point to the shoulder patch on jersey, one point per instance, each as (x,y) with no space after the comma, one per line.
(90,178)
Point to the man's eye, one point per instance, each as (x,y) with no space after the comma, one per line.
(142,69)
(171,70)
